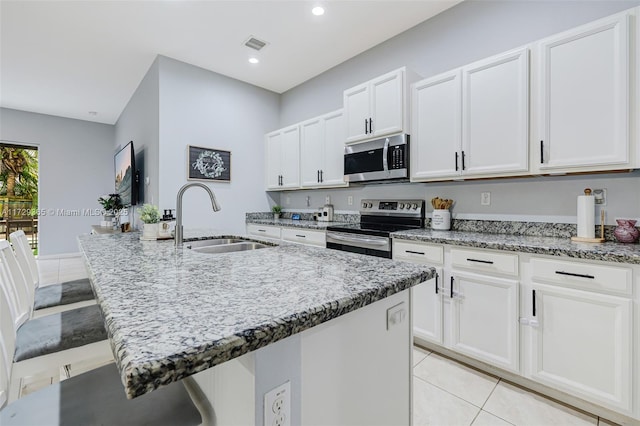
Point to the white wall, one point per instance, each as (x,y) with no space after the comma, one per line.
(76,167)
(139,122)
(467,32)
(203,108)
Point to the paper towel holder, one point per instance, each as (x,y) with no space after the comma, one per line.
(592,240)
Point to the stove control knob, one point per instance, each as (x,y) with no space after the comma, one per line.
(364,205)
(401,205)
(414,206)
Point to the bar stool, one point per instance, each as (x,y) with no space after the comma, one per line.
(51,298)
(48,342)
(96,397)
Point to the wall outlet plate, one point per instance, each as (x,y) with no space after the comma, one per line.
(396,315)
(277,406)
(485,199)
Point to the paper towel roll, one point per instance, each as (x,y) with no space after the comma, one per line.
(586,216)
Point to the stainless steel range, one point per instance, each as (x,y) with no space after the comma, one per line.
(378,219)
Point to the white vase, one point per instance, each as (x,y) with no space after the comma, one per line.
(150,231)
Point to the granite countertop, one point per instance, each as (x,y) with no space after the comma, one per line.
(290,223)
(172,312)
(554,246)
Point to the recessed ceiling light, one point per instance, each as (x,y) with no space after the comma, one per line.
(318,10)
(253,60)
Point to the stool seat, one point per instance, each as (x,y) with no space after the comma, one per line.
(57,332)
(63,294)
(98,398)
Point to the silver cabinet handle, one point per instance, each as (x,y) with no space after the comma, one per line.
(356,239)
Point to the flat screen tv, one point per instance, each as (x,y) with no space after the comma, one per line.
(125,168)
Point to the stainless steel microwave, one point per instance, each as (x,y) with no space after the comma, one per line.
(377,160)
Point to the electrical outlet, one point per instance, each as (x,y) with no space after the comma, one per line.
(485,199)
(327,199)
(396,315)
(277,406)
(350,200)
(600,197)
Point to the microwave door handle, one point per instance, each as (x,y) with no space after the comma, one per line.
(385,153)
(356,239)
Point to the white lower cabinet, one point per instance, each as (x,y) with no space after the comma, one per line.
(568,325)
(293,235)
(426,298)
(485,318)
(581,341)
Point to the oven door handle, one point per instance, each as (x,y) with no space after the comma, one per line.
(356,239)
(385,153)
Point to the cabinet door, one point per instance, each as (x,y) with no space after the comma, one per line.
(436,127)
(333,155)
(387,103)
(495,114)
(582,344)
(274,149)
(311,151)
(356,112)
(485,319)
(426,305)
(290,157)
(584,90)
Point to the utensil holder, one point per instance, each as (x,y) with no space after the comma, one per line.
(441,220)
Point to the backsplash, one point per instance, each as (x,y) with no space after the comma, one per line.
(337,217)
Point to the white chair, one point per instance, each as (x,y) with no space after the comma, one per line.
(44,344)
(52,298)
(97,397)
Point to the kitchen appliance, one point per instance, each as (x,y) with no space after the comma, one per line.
(377,160)
(326,213)
(378,219)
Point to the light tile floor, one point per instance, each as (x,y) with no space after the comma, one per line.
(447,393)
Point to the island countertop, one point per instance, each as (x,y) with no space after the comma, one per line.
(172,312)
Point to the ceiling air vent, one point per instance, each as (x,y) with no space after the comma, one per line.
(254,43)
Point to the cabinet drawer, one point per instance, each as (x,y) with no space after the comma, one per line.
(500,263)
(263,230)
(304,236)
(417,252)
(585,276)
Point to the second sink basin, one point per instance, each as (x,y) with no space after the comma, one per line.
(230,247)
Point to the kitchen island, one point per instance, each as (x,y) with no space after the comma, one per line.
(172,312)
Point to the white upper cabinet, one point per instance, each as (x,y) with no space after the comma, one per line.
(436,136)
(283,158)
(473,120)
(495,115)
(322,151)
(583,95)
(378,107)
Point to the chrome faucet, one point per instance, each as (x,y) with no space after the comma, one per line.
(214,204)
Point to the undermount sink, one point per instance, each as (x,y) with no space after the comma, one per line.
(229,248)
(224,245)
(213,242)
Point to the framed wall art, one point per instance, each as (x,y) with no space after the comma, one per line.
(208,164)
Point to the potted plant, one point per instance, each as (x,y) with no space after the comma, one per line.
(111,204)
(276,211)
(150,216)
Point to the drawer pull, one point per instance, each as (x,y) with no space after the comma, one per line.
(262,230)
(415,252)
(436,283)
(488,262)
(571,274)
(301,236)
